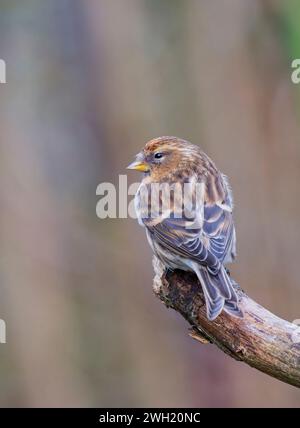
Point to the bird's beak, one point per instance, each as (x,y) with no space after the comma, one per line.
(139,164)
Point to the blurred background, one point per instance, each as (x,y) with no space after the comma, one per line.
(88,83)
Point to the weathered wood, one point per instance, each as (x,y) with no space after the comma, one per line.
(260,339)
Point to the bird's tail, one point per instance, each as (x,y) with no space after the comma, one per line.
(218,291)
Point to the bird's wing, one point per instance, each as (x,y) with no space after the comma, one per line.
(207,237)
(218,227)
(181,237)
(219,230)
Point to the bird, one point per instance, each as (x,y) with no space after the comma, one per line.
(196,231)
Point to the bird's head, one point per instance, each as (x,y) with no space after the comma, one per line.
(163,156)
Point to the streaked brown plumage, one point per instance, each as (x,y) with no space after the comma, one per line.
(197,233)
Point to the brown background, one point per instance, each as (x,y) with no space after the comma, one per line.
(88,83)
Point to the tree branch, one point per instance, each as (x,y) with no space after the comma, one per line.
(260,339)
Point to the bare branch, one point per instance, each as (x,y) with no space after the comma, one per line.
(260,339)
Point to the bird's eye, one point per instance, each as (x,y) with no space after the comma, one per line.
(158,155)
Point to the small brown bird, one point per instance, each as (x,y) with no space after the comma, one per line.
(196,231)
